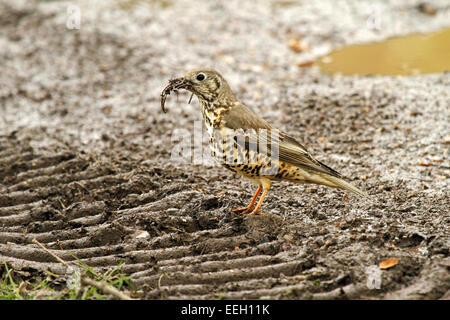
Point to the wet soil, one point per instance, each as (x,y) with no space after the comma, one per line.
(85,154)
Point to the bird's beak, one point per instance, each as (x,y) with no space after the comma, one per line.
(174,85)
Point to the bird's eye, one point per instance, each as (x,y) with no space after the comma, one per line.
(200,77)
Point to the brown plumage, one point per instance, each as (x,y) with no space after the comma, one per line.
(248,145)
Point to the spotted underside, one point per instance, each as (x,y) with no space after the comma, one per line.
(235,150)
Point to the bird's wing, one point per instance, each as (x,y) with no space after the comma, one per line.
(289,150)
(241,117)
(293,152)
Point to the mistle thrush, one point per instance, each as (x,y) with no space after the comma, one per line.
(248,145)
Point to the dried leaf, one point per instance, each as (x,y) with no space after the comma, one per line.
(388,263)
(427,9)
(297,45)
(306,64)
(309,190)
(423,164)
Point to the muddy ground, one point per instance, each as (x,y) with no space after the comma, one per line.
(85,151)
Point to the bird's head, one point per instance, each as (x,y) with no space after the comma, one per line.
(207,84)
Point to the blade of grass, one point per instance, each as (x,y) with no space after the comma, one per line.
(12,283)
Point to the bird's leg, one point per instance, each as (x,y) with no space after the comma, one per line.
(249,208)
(266,187)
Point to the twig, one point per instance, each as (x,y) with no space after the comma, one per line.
(82,187)
(51,253)
(86,280)
(104,287)
(62,204)
(160,278)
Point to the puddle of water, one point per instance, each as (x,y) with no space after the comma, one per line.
(408,55)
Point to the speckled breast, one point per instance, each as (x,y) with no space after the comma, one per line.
(243,159)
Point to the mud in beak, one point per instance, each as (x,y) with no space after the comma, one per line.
(174,85)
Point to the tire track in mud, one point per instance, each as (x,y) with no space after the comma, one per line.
(175,238)
(104,214)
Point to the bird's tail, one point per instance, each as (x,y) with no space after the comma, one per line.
(342,184)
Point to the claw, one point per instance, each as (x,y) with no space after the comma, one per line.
(242,211)
(261,213)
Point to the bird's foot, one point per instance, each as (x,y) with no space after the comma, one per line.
(243,211)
